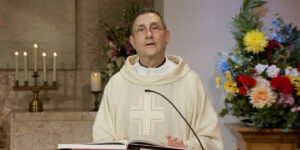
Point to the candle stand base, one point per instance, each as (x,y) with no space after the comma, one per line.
(97,102)
(35,106)
(25,83)
(96,106)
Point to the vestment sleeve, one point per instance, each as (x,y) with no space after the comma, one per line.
(104,126)
(205,123)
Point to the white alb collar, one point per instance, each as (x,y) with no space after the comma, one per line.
(167,66)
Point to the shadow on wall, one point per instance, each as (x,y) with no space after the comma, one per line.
(2,138)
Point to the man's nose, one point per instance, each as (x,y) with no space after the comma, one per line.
(149,34)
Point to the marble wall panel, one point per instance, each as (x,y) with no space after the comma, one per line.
(6,96)
(37,131)
(34,21)
(6,93)
(2,138)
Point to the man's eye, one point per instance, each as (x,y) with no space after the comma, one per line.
(155,27)
(140,29)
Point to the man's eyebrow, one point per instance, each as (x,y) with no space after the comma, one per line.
(143,25)
(154,23)
(140,25)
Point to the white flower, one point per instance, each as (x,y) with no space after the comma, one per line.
(110,66)
(273,71)
(291,72)
(295,109)
(260,68)
(261,96)
(109,53)
(111,72)
(120,61)
(113,58)
(262,82)
(112,45)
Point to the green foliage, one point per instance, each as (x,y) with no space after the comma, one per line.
(245,20)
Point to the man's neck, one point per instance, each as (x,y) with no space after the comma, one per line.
(152,63)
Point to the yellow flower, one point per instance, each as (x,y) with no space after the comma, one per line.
(228,75)
(297,87)
(255,41)
(218,81)
(298,78)
(231,87)
(237,66)
(292,79)
(261,96)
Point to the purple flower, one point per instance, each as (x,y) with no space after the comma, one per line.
(223,67)
(286,100)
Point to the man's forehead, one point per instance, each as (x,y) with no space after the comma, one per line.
(147,19)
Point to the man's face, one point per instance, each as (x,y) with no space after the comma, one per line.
(149,36)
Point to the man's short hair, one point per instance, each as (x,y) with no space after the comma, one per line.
(147,11)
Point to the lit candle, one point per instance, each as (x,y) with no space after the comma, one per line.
(25,67)
(35,46)
(44,67)
(54,66)
(17,66)
(96,81)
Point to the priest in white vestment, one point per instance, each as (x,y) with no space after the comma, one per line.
(128,112)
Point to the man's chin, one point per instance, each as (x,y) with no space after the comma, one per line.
(151,52)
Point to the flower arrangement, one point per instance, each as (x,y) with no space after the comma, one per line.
(262,73)
(118,47)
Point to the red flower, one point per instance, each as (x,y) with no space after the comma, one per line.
(246,80)
(115,53)
(273,44)
(243,90)
(269,53)
(283,84)
(109,38)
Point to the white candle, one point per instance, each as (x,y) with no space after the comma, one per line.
(35,46)
(44,67)
(96,81)
(17,66)
(54,66)
(25,67)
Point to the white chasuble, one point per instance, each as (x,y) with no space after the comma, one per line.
(147,114)
(127,111)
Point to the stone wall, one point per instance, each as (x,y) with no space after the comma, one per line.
(73,85)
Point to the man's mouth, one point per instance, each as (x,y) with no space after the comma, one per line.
(150,44)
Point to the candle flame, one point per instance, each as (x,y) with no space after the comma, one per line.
(54,54)
(96,74)
(44,54)
(35,45)
(25,53)
(17,53)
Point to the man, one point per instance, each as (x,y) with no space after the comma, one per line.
(127,111)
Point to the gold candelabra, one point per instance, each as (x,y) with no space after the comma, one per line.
(35,105)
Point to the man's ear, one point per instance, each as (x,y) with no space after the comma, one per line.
(167,36)
(131,40)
